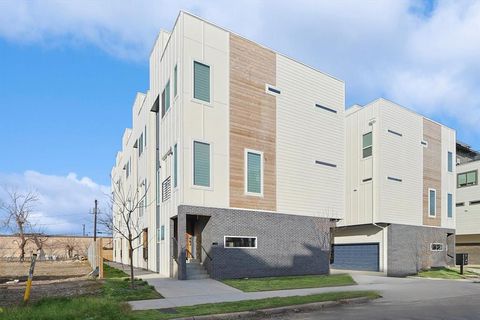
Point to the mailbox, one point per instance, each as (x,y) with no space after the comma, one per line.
(461,259)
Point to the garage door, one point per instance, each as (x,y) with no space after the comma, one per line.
(356,256)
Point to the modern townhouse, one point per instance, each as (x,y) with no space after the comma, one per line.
(242,159)
(468,203)
(400,191)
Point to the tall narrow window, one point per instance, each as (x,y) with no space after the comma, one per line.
(175,165)
(175,81)
(140,145)
(449,205)
(450,161)
(254,172)
(201,81)
(201,164)
(145,137)
(167,96)
(367,145)
(432,202)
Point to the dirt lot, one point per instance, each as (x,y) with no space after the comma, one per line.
(51,279)
(44,270)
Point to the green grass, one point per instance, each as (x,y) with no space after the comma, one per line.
(293,282)
(111,272)
(110,304)
(445,273)
(250,305)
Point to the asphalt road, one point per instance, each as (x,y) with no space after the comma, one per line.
(407,299)
(466,307)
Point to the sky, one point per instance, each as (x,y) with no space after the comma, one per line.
(69,72)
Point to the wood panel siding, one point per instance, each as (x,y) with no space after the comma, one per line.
(432,170)
(252,120)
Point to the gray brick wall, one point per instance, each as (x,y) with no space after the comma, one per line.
(286,244)
(409,248)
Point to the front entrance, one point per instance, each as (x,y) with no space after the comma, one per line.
(190,239)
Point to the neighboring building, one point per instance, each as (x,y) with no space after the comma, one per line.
(468,203)
(240,152)
(400,191)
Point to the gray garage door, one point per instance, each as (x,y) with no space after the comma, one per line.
(356,256)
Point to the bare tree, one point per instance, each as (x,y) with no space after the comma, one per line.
(40,240)
(127,209)
(17,210)
(70,245)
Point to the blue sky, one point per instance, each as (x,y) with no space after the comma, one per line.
(69,72)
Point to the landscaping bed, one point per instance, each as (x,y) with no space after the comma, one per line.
(447,273)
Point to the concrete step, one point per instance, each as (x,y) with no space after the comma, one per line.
(196,271)
(197,277)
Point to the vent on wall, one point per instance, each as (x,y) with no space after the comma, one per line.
(367,180)
(424,143)
(272,90)
(395,133)
(325,164)
(475,202)
(325,108)
(394,179)
(460,204)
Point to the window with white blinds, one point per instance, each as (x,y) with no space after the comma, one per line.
(201,164)
(254,172)
(201,81)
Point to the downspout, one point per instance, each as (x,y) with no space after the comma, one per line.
(384,234)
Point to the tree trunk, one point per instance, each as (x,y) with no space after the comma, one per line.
(23,242)
(130,256)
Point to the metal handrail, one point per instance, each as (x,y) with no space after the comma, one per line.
(209,257)
(175,250)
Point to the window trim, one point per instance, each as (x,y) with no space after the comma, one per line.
(465,173)
(205,103)
(450,162)
(262,174)
(225,242)
(192,182)
(429,203)
(370,146)
(175,172)
(448,207)
(438,244)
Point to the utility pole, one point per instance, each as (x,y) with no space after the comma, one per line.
(84,229)
(95,210)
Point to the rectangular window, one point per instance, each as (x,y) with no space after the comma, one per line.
(395,133)
(254,172)
(201,164)
(466,179)
(175,165)
(167,96)
(240,242)
(432,202)
(140,145)
(325,108)
(450,162)
(145,137)
(175,81)
(161,233)
(436,247)
(201,81)
(449,205)
(367,145)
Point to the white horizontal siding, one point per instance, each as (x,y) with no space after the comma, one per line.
(306,133)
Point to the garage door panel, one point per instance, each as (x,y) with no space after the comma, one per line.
(356,256)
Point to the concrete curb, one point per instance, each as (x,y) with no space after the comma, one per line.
(261,313)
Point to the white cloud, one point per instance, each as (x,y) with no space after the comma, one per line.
(64,201)
(425,60)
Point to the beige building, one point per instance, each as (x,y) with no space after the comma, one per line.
(400,191)
(240,153)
